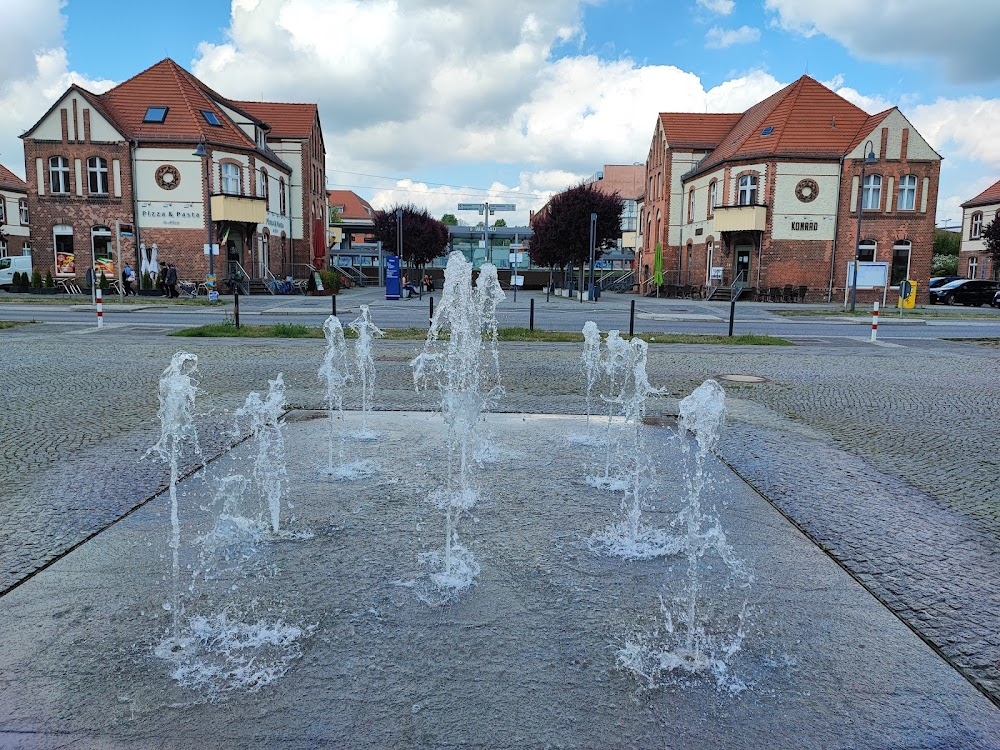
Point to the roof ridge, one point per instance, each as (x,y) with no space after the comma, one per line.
(175,69)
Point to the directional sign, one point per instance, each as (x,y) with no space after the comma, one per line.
(502,207)
(470,206)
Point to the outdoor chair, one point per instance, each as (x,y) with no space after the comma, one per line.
(788,293)
(802,293)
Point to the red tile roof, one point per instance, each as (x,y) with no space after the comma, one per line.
(988,196)
(806,119)
(689,130)
(10,181)
(285,120)
(356,208)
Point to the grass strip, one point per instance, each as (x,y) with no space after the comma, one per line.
(12,323)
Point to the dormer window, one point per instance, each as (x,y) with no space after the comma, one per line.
(155,114)
(211,118)
(259,134)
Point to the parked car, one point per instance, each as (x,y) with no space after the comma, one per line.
(996,300)
(965,292)
(937,281)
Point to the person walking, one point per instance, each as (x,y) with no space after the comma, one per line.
(171,282)
(161,279)
(128,276)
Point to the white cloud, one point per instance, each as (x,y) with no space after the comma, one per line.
(965,128)
(723,7)
(716,38)
(961,37)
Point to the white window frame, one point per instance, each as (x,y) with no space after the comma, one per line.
(3,248)
(866,244)
(26,249)
(906,199)
(713,196)
(901,245)
(230,176)
(97,171)
(976,225)
(22,209)
(871,193)
(973,267)
(690,205)
(262,183)
(3,209)
(747,192)
(59,173)
(283,201)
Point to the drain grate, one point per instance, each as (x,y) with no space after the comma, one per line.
(736,378)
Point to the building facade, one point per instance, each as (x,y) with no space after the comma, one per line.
(974,261)
(160,165)
(15,231)
(769,197)
(627,181)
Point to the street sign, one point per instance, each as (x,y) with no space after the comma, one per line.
(470,206)
(502,207)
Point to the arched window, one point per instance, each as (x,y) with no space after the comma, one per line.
(900,262)
(690,205)
(907,196)
(58,174)
(281,200)
(871,194)
(866,251)
(747,195)
(713,196)
(97,175)
(976,226)
(230,178)
(262,184)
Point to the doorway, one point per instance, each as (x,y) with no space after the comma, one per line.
(743,255)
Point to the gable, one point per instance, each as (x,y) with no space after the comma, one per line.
(74,103)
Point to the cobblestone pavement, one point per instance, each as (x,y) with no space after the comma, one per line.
(884,455)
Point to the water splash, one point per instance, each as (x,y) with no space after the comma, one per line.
(629,537)
(178,390)
(335,374)
(363,348)
(469,384)
(703,627)
(591,360)
(266,430)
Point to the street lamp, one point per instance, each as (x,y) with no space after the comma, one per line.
(399,234)
(202,152)
(869,151)
(593,241)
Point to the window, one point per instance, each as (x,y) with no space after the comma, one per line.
(900,262)
(690,205)
(767,131)
(3,248)
(97,175)
(748,190)
(3,209)
(713,194)
(230,178)
(281,200)
(973,266)
(26,249)
(211,118)
(652,196)
(976,228)
(907,193)
(58,174)
(155,114)
(262,185)
(871,194)
(866,251)
(22,206)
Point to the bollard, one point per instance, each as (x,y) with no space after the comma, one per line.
(875,323)
(631,320)
(531,314)
(430,318)
(236,307)
(732,311)
(334,298)
(100,308)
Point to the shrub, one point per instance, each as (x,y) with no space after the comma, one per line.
(331,280)
(49,283)
(36,279)
(103,283)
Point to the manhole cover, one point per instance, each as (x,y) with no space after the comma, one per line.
(743,378)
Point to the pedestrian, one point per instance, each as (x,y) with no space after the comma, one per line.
(128,276)
(171,282)
(161,279)
(408,287)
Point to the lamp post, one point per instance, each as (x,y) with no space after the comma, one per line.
(869,151)
(399,234)
(202,152)
(593,241)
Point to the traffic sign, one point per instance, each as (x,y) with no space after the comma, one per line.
(502,207)
(470,206)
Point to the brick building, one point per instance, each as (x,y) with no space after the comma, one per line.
(15,233)
(627,181)
(118,173)
(974,261)
(770,196)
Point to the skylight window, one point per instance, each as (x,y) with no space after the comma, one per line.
(155,114)
(211,118)
(767,131)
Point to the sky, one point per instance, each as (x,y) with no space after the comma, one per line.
(440,102)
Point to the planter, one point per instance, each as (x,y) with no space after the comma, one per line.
(47,290)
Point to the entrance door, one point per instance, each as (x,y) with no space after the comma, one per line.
(743,254)
(263,255)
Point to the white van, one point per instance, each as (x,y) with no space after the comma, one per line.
(8,266)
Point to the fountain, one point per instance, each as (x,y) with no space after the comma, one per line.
(468,388)
(177,429)
(363,348)
(697,635)
(265,427)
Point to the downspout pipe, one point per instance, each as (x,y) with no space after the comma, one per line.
(836,221)
(133,147)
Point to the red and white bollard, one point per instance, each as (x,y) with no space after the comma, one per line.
(100,308)
(875,323)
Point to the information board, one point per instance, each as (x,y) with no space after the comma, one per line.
(392,286)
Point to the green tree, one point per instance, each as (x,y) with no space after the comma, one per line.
(946,243)
(424,237)
(561,235)
(991,241)
(449,220)
(499,223)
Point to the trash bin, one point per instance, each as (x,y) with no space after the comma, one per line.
(907,294)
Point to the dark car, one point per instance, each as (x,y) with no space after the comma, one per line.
(965,292)
(996,300)
(937,281)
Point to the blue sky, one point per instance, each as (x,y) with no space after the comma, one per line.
(440,101)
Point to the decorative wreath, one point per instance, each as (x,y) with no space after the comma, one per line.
(807,190)
(167,177)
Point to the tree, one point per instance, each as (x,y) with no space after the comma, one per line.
(946,243)
(424,237)
(991,241)
(499,223)
(561,234)
(449,220)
